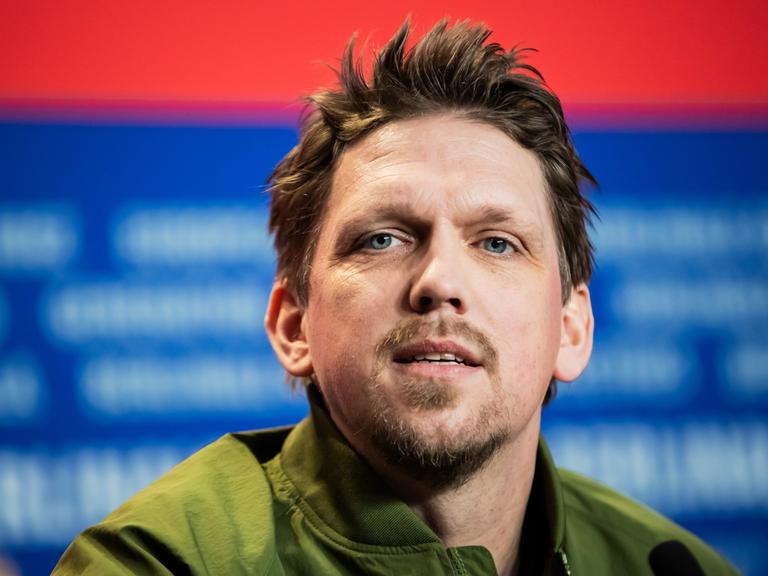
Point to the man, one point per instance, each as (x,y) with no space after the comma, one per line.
(432,278)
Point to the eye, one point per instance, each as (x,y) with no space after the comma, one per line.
(380,241)
(497,245)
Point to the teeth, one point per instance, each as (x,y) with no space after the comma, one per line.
(438,357)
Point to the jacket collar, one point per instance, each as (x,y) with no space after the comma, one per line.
(547,480)
(347,495)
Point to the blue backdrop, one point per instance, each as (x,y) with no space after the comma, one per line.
(135,267)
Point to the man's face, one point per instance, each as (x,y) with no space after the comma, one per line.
(434,314)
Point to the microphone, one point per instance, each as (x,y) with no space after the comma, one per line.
(673,558)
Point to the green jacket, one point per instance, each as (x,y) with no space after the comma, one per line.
(301,501)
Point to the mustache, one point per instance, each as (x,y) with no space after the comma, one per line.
(421,328)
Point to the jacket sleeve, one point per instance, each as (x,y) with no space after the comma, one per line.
(110,550)
(211,514)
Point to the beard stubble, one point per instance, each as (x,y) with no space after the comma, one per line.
(451,458)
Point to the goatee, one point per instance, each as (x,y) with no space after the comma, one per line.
(447,461)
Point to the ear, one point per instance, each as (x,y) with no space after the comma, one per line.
(576,333)
(285,327)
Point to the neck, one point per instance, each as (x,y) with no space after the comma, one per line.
(488,510)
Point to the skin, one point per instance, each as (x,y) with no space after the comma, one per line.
(436,220)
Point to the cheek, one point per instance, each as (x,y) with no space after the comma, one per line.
(335,304)
(346,320)
(341,329)
(528,337)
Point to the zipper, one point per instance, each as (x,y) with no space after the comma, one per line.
(456,562)
(564,561)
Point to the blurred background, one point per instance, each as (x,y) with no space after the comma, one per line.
(135,141)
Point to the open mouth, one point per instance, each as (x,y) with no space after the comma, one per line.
(436,358)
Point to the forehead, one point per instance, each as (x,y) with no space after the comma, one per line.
(435,161)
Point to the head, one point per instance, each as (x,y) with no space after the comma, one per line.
(453,86)
(448,70)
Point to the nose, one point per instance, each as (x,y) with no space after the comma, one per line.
(439,280)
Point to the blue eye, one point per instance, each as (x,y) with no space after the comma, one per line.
(379,241)
(497,245)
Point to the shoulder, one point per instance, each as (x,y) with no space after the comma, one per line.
(622,530)
(216,479)
(197,514)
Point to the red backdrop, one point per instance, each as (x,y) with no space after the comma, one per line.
(658,54)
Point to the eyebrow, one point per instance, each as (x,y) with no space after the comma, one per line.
(358,221)
(494,214)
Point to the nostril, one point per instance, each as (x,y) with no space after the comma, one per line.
(425,302)
(455,302)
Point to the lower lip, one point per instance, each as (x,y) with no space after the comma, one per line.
(436,369)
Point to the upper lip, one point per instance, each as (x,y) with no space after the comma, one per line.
(424,347)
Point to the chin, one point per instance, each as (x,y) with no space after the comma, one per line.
(441,442)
